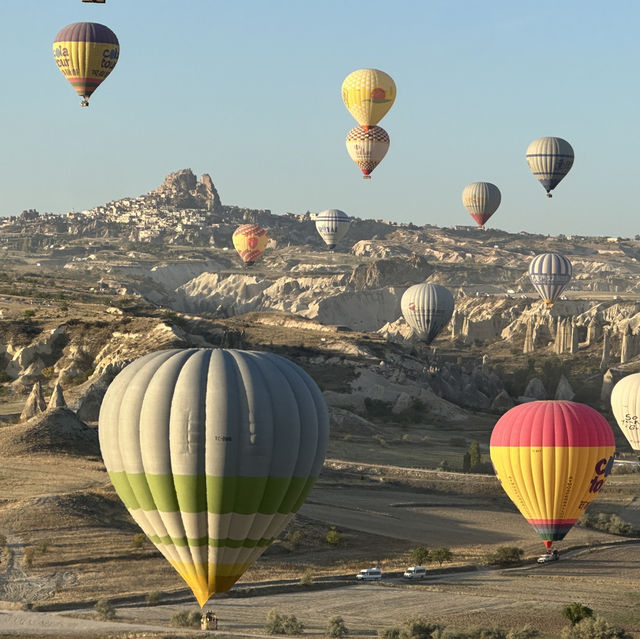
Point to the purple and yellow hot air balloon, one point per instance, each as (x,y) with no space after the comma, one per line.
(250,240)
(86,53)
(552,458)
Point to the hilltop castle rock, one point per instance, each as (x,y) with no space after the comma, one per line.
(183,190)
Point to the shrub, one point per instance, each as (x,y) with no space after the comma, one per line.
(105,610)
(138,540)
(336,627)
(293,539)
(334,537)
(505,556)
(420,556)
(576,612)
(307,578)
(594,628)
(389,633)
(610,523)
(43,546)
(29,556)
(418,628)
(279,624)
(186,619)
(154,597)
(28,314)
(3,541)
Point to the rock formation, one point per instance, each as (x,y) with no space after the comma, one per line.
(35,403)
(57,398)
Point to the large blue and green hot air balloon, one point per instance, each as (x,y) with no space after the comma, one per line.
(212,452)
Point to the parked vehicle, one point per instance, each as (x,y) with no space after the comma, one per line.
(369,574)
(415,572)
(550,556)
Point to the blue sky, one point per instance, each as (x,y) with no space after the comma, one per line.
(249,92)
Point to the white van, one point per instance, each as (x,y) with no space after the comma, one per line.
(369,574)
(415,572)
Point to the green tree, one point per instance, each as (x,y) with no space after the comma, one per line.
(419,628)
(279,624)
(333,537)
(594,628)
(475,457)
(186,619)
(420,556)
(441,555)
(505,556)
(466,463)
(336,627)
(576,612)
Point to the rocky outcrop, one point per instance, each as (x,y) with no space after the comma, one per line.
(57,398)
(35,403)
(564,390)
(535,389)
(394,272)
(182,190)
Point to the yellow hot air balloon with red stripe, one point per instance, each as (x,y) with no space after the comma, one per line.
(552,459)
(86,53)
(250,240)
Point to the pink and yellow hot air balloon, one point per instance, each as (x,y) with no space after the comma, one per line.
(552,458)
(86,53)
(250,240)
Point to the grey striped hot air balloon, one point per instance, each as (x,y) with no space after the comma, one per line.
(482,200)
(427,308)
(212,452)
(550,160)
(550,273)
(332,225)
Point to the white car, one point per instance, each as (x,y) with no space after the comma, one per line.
(369,574)
(550,556)
(415,572)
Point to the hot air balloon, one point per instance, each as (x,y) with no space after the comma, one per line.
(250,240)
(549,160)
(625,402)
(552,458)
(427,308)
(550,273)
(367,147)
(86,53)
(332,225)
(481,199)
(212,452)
(368,94)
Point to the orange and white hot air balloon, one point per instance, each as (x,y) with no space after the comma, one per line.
(250,240)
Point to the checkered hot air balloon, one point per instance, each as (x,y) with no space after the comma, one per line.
(213,452)
(367,147)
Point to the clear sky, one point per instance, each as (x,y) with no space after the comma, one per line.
(249,92)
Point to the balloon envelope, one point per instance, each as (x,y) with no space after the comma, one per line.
(250,240)
(332,225)
(550,160)
(367,147)
(212,452)
(552,458)
(481,199)
(86,53)
(550,273)
(427,308)
(625,402)
(368,94)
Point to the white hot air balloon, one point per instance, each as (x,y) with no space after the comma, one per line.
(332,225)
(367,147)
(427,308)
(550,160)
(625,402)
(550,273)
(481,199)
